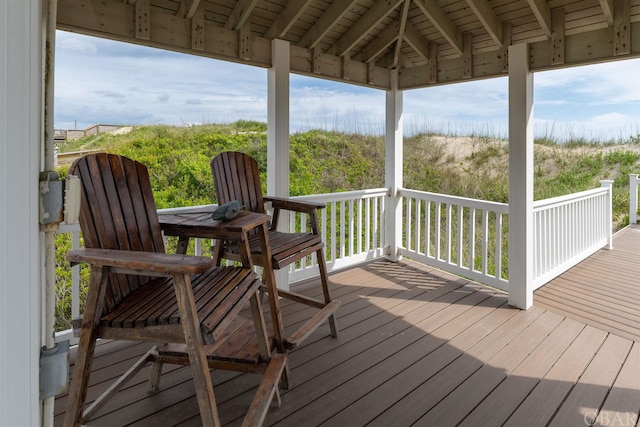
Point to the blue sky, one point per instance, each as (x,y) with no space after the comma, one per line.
(100,81)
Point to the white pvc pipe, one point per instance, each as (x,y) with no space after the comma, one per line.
(49,164)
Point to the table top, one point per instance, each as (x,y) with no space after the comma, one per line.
(198,223)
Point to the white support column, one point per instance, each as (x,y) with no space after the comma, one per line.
(278,132)
(393,166)
(21,140)
(278,120)
(520,177)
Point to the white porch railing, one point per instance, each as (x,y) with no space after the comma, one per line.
(634,182)
(568,229)
(464,236)
(351,225)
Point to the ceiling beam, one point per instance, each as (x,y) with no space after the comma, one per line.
(116,20)
(188,8)
(379,44)
(542,12)
(607,10)
(373,16)
(286,18)
(240,14)
(416,41)
(403,25)
(488,18)
(325,23)
(439,19)
(386,61)
(194,8)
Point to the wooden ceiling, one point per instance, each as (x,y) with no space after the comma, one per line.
(430,42)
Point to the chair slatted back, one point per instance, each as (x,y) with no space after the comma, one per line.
(118,212)
(237,177)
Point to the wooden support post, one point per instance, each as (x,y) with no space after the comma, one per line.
(433,62)
(346,67)
(315,60)
(507,32)
(143,19)
(197,28)
(467,56)
(557,37)
(244,42)
(622,27)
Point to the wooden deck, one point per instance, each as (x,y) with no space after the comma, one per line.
(421,347)
(602,291)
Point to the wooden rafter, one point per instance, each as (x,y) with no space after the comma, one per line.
(188,8)
(416,41)
(380,43)
(607,10)
(542,13)
(240,14)
(488,18)
(444,25)
(183,28)
(401,30)
(324,24)
(362,26)
(287,18)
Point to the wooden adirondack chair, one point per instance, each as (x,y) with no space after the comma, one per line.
(236,177)
(139,292)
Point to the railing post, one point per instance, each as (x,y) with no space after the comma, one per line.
(633,198)
(608,184)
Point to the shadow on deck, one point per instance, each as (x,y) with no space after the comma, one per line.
(416,346)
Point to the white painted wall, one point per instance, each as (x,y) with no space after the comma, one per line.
(21,50)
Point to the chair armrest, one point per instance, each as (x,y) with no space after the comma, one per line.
(293,205)
(151,262)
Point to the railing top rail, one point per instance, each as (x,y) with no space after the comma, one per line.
(569,198)
(345,195)
(460,201)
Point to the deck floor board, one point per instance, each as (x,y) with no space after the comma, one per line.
(424,347)
(603,290)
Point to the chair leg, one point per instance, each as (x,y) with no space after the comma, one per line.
(195,350)
(86,348)
(203,385)
(324,279)
(263,342)
(80,380)
(154,377)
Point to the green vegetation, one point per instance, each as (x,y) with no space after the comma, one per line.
(325,162)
